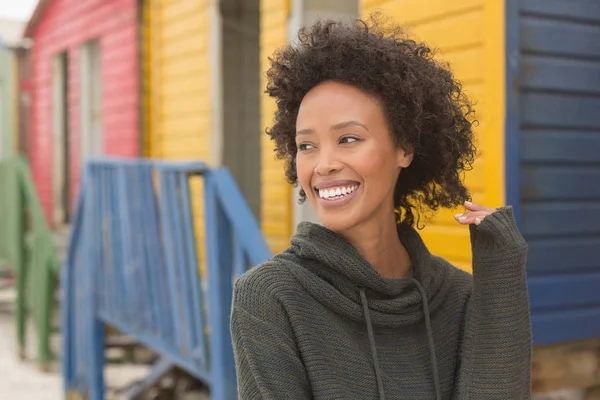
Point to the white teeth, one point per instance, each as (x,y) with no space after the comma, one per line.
(337,192)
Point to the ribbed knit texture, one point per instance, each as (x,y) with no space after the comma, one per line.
(299,328)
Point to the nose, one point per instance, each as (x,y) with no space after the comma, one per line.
(328,163)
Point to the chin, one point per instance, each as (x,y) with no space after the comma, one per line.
(335,226)
(338,218)
(337,223)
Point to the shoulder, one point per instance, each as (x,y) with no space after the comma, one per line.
(268,282)
(458,282)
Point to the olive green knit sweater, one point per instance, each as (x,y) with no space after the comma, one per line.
(317,321)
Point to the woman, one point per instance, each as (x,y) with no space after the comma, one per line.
(374,131)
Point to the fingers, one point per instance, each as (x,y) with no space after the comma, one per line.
(476,207)
(473,217)
(476,213)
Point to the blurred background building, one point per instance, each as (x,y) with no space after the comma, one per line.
(12,48)
(184,79)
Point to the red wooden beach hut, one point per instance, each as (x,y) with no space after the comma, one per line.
(84,92)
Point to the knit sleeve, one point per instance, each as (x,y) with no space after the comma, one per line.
(267,360)
(495,360)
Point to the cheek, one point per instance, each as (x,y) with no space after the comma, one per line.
(376,165)
(303,171)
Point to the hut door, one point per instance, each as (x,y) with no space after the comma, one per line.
(241,96)
(91,117)
(60,140)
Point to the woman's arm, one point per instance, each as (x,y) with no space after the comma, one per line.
(495,360)
(268,363)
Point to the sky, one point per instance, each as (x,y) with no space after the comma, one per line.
(17,9)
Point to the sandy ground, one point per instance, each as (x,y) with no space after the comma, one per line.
(21,380)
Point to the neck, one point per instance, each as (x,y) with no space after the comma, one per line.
(377,241)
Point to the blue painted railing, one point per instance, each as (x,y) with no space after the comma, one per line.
(132,263)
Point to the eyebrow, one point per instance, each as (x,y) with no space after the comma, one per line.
(335,127)
(346,124)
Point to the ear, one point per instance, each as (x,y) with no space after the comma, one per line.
(403,157)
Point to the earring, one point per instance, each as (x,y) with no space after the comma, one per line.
(397,214)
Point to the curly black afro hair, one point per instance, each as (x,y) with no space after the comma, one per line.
(427,111)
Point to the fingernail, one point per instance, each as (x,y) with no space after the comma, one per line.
(468,202)
(477,221)
(457,215)
(462,218)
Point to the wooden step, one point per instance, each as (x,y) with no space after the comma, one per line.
(574,365)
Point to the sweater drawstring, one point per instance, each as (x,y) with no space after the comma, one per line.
(434,367)
(363,299)
(433,358)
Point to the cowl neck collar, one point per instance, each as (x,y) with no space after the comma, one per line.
(333,272)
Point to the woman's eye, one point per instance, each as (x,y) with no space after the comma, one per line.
(348,139)
(305,146)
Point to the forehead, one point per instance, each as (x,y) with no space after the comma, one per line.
(331,102)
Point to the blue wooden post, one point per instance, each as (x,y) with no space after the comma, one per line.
(179,265)
(220,271)
(155,258)
(199,352)
(170,257)
(93,246)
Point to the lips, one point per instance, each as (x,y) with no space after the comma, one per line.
(335,193)
(338,192)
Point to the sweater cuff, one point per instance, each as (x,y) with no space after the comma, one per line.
(497,231)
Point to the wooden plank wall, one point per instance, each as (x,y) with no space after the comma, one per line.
(559,140)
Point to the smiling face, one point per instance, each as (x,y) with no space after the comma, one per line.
(347,162)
